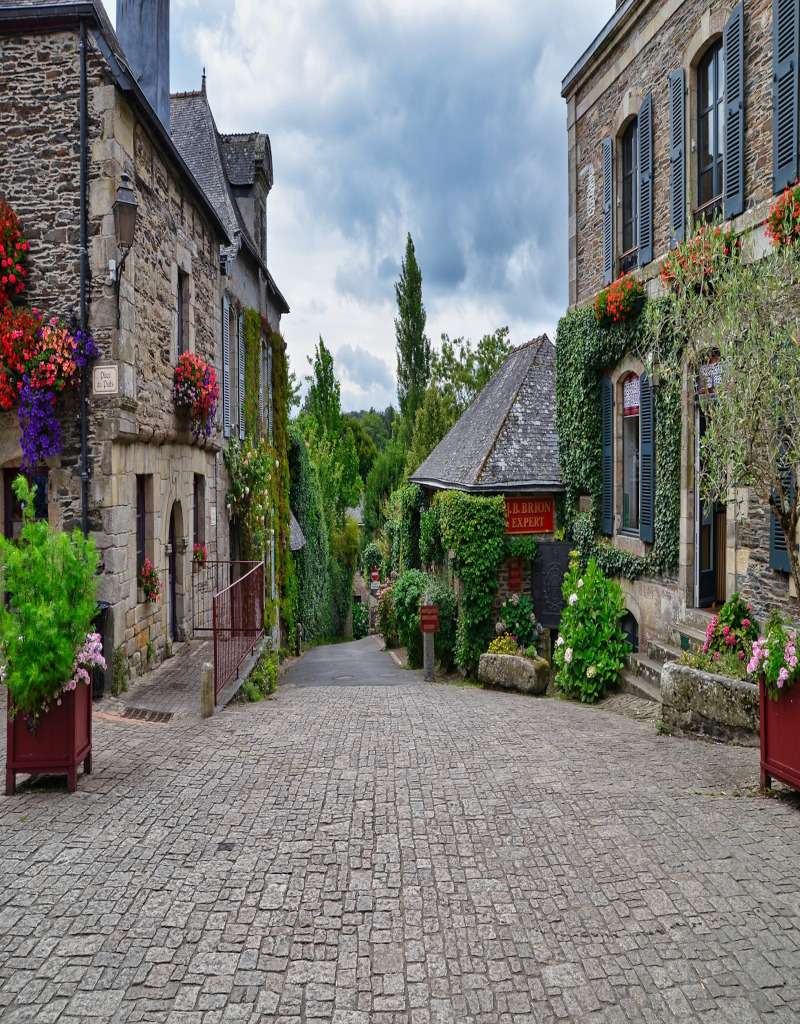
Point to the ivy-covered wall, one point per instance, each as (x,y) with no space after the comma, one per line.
(585,352)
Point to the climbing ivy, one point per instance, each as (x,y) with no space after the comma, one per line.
(585,351)
(473,528)
(285,572)
(252,373)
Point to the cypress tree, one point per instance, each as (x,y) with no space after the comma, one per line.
(413,347)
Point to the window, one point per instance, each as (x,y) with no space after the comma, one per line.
(183,312)
(710,128)
(630,165)
(631,397)
(143,505)
(199,509)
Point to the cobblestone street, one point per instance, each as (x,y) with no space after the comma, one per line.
(371,848)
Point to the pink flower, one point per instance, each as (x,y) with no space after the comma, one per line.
(745,623)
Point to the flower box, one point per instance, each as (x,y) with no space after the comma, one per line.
(780,737)
(59,742)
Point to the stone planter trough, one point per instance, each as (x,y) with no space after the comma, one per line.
(780,738)
(703,704)
(512,672)
(61,740)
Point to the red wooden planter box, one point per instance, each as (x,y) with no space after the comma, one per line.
(780,737)
(63,738)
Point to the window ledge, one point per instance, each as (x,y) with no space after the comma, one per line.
(630,542)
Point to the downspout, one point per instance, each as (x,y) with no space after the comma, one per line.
(84,281)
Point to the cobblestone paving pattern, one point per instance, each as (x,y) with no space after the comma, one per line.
(378,849)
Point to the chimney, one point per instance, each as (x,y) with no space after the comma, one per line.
(143,32)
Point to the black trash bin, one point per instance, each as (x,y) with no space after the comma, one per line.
(100,625)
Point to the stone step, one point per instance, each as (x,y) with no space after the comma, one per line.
(661,650)
(692,634)
(697,617)
(639,686)
(647,668)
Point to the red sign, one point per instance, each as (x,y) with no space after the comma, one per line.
(429,618)
(530,515)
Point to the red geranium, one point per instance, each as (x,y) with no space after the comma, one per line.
(783,222)
(620,302)
(196,390)
(14,251)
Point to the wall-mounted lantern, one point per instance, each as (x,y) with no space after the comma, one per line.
(125,213)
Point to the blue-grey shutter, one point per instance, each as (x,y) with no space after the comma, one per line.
(677,155)
(608,210)
(647,461)
(778,549)
(785,55)
(733,41)
(607,502)
(226,367)
(645,131)
(241,355)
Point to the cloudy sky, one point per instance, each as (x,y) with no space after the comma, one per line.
(438,117)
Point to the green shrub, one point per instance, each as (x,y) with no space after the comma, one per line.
(263,680)
(360,620)
(442,596)
(591,648)
(505,644)
(371,557)
(387,619)
(49,578)
(409,591)
(517,618)
(726,663)
(733,631)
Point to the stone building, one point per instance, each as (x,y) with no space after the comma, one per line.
(85,119)
(674,117)
(505,444)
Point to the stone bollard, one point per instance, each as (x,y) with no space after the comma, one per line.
(207,690)
(429,655)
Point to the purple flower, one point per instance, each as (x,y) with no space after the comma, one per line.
(39,427)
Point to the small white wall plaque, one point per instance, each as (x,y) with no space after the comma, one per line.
(105,380)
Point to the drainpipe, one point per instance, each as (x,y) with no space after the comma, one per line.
(84,282)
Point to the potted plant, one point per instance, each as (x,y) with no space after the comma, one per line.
(149,581)
(783,222)
(47,649)
(620,302)
(199,555)
(775,662)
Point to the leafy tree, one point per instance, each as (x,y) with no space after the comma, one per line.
(434,418)
(378,425)
(365,447)
(383,478)
(460,371)
(324,398)
(413,347)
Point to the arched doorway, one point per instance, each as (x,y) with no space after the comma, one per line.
(177,548)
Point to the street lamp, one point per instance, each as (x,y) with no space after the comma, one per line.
(125,210)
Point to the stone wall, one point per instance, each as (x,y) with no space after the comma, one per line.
(702,704)
(663,37)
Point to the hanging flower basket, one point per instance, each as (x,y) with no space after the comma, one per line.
(14,250)
(196,392)
(199,555)
(775,661)
(621,302)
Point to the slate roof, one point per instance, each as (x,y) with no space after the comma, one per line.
(203,148)
(243,153)
(506,440)
(297,539)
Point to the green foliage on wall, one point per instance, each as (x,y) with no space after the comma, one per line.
(314,605)
(473,528)
(252,373)
(439,593)
(585,351)
(408,593)
(430,536)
